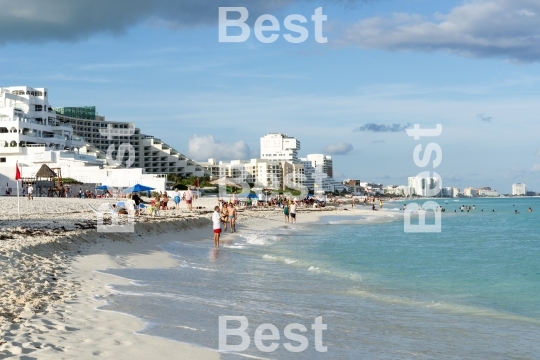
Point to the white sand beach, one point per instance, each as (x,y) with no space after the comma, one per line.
(50,262)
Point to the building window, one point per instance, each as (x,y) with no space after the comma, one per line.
(2,159)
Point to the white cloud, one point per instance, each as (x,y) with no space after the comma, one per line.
(498,28)
(341,148)
(205,147)
(525,12)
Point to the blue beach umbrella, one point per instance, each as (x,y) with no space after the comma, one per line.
(102,187)
(250,196)
(137,188)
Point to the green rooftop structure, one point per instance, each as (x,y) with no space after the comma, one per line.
(80,112)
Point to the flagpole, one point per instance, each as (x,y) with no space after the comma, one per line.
(17,178)
(18,200)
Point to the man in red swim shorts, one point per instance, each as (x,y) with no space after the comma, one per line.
(189,198)
(216,221)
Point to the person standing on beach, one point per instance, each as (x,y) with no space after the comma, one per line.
(189,199)
(232,217)
(224,216)
(380,203)
(216,222)
(176,199)
(293,212)
(30,192)
(286,211)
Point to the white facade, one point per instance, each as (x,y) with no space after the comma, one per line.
(151,154)
(470,192)
(456,192)
(488,193)
(398,190)
(426,187)
(447,192)
(519,189)
(279,167)
(321,162)
(32,135)
(26,119)
(260,172)
(81,167)
(279,147)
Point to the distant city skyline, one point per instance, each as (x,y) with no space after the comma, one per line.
(387,66)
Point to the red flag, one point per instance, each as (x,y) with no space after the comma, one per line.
(197,182)
(17,172)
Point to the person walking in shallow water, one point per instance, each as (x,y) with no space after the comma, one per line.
(232,217)
(286,211)
(216,223)
(225,216)
(293,212)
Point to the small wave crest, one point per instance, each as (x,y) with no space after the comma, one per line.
(260,238)
(349,221)
(284,260)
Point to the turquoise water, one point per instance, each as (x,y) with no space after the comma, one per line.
(470,291)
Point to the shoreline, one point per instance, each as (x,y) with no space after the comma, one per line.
(108,333)
(68,324)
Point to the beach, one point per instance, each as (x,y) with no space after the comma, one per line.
(71,292)
(51,260)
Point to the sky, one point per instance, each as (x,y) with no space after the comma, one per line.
(471,66)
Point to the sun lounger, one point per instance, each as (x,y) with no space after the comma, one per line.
(141,208)
(98,211)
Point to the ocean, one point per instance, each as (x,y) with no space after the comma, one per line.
(470,291)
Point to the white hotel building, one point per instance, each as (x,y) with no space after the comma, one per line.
(280,147)
(31,134)
(519,189)
(280,167)
(261,173)
(151,154)
(27,120)
(426,187)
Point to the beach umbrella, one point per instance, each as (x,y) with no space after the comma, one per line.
(137,188)
(250,196)
(102,187)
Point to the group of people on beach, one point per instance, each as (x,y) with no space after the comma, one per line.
(224,214)
(289,210)
(228,215)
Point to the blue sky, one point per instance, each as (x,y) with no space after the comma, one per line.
(470,66)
